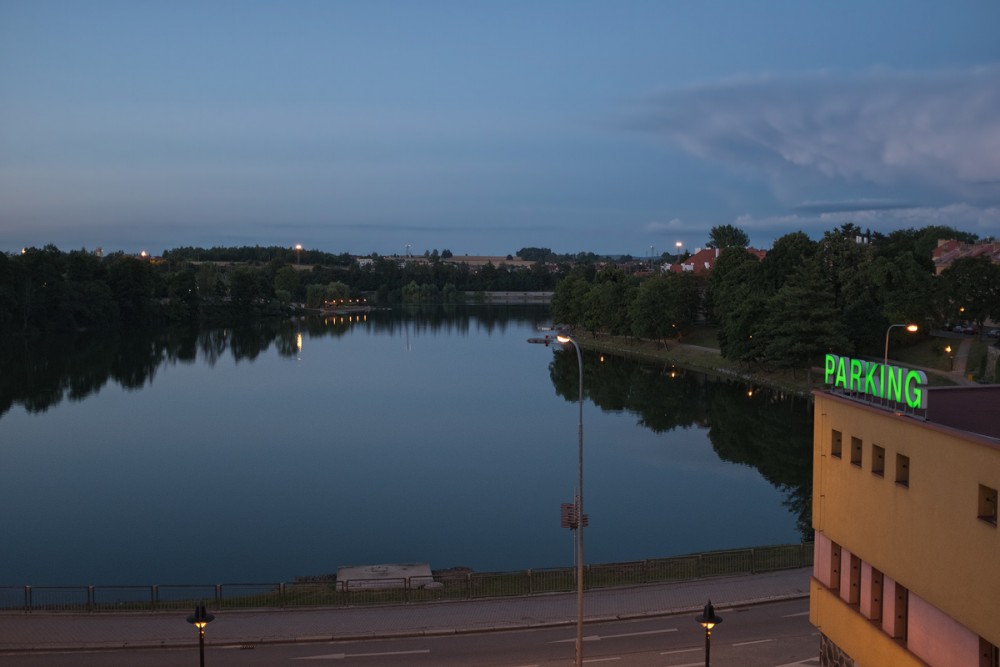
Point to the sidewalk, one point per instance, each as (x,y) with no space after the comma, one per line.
(21,631)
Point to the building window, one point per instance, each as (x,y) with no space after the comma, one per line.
(878,460)
(902,470)
(989,655)
(856,451)
(874,594)
(988,504)
(898,623)
(836,444)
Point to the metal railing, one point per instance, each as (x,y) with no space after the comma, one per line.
(445,586)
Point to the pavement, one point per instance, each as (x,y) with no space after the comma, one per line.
(63,631)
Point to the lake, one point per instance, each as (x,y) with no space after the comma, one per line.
(438,435)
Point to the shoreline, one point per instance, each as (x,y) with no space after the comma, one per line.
(710,361)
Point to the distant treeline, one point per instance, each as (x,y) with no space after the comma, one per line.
(805,298)
(50,290)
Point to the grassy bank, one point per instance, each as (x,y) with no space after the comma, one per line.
(699,351)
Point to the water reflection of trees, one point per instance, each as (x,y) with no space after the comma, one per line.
(39,372)
(758,427)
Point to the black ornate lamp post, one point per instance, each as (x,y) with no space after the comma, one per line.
(199,620)
(708,620)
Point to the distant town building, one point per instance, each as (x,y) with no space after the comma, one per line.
(947,251)
(703,260)
(905,529)
(479,261)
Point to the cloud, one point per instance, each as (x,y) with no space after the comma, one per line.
(937,130)
(674,225)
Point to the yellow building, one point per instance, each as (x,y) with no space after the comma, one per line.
(907,562)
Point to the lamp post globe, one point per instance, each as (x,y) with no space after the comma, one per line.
(708,620)
(199,619)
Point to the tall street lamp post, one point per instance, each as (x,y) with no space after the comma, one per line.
(708,620)
(912,328)
(579,507)
(199,620)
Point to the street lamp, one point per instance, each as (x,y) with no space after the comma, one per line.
(579,507)
(912,328)
(679,245)
(199,620)
(298,253)
(708,620)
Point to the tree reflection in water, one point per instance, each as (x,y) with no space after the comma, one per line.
(758,427)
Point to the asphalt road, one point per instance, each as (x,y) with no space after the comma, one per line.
(776,634)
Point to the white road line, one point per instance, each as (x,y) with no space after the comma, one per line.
(803,613)
(800,663)
(683,650)
(342,656)
(597,638)
(601,659)
(758,641)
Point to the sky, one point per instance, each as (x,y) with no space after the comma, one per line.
(486,126)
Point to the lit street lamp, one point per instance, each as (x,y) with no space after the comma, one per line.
(912,328)
(298,253)
(579,507)
(708,620)
(199,620)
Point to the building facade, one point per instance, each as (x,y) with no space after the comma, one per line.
(907,561)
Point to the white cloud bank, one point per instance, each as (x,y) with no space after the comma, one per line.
(936,131)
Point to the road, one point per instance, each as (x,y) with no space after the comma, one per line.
(763,635)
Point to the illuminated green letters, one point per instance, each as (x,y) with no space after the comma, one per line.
(894,383)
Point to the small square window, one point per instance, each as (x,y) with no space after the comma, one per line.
(988,504)
(878,460)
(836,444)
(856,451)
(902,470)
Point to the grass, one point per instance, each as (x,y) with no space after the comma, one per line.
(928,352)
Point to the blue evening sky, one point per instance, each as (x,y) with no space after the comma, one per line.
(484,126)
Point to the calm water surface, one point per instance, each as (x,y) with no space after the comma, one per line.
(238,456)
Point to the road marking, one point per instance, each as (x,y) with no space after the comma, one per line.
(800,663)
(601,659)
(803,613)
(683,650)
(759,641)
(342,656)
(597,638)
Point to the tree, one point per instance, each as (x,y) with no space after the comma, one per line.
(738,304)
(132,284)
(664,306)
(286,279)
(727,236)
(785,257)
(970,289)
(803,322)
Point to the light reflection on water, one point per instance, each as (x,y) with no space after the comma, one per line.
(401,442)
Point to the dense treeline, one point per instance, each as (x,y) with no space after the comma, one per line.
(804,298)
(50,290)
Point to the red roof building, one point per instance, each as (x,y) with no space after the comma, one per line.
(703,260)
(947,251)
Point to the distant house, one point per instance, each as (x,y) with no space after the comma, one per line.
(947,251)
(703,261)
(477,262)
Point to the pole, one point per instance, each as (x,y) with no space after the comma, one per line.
(201,646)
(579,516)
(708,647)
